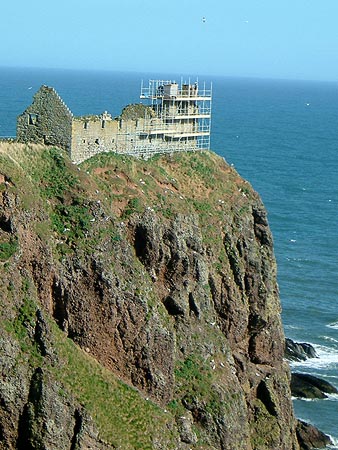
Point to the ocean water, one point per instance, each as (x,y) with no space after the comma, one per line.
(282,136)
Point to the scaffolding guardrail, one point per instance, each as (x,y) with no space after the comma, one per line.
(182,115)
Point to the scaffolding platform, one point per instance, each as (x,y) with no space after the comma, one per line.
(182,117)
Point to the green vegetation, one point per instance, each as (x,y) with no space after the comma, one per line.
(23,324)
(8,249)
(72,220)
(194,380)
(82,209)
(69,211)
(123,417)
(25,320)
(55,178)
(264,429)
(195,371)
(134,206)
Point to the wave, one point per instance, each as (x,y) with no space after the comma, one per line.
(291,327)
(331,377)
(329,338)
(334,441)
(326,352)
(333,325)
(329,397)
(327,358)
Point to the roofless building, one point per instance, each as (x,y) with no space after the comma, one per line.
(174,117)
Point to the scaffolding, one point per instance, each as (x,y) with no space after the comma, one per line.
(180,121)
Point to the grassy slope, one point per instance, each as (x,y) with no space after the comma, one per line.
(63,194)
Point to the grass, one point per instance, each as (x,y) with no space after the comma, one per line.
(197,183)
(8,249)
(73,220)
(194,381)
(22,324)
(265,431)
(124,418)
(24,320)
(194,378)
(134,206)
(55,177)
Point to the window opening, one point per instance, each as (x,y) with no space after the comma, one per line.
(32,119)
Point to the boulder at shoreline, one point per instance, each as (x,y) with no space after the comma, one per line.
(299,351)
(309,437)
(304,385)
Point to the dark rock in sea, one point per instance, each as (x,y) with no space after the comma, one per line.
(308,386)
(309,437)
(298,351)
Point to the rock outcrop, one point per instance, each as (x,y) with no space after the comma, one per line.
(140,306)
(310,437)
(299,351)
(304,385)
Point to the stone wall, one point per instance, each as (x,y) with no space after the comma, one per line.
(47,120)
(137,131)
(97,134)
(92,135)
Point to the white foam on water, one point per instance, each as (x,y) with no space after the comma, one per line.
(291,327)
(329,397)
(304,420)
(327,358)
(331,377)
(334,440)
(325,353)
(333,325)
(329,339)
(302,399)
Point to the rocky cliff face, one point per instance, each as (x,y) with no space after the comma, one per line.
(139,306)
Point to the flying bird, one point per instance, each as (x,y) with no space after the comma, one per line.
(203,19)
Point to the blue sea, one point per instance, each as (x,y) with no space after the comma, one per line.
(282,136)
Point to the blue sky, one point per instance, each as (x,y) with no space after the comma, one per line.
(295,39)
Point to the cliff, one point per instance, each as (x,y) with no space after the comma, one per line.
(139,307)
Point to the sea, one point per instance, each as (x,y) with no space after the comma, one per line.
(280,135)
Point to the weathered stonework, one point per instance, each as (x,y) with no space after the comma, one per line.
(172,123)
(46,121)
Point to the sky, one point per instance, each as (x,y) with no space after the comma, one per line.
(291,39)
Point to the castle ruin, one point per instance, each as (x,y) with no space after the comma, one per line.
(175,117)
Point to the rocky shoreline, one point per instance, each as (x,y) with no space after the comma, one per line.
(299,351)
(140,307)
(306,386)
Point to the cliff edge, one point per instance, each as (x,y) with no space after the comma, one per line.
(140,308)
